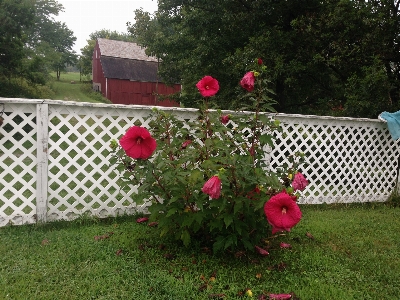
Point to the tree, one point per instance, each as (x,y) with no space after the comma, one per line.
(85,60)
(51,41)
(320,55)
(32,44)
(16,16)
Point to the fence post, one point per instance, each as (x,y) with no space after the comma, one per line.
(42,121)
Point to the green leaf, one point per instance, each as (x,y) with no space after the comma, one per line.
(219,244)
(188,219)
(185,237)
(199,217)
(238,206)
(231,240)
(171,212)
(267,139)
(228,219)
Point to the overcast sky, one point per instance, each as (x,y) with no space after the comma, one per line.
(84,17)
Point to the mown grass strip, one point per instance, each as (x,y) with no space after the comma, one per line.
(353,255)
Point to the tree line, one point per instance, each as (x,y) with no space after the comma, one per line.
(334,57)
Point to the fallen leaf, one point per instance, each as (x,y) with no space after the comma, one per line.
(203,287)
(45,242)
(309,235)
(258,275)
(169,256)
(239,254)
(262,297)
(212,279)
(119,252)
(153,224)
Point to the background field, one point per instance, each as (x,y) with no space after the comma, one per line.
(77,91)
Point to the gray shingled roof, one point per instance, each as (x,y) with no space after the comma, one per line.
(132,69)
(123,50)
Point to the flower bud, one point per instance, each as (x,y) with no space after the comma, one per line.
(113,144)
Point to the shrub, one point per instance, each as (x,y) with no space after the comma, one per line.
(208,178)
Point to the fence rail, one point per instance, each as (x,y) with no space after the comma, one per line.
(54,158)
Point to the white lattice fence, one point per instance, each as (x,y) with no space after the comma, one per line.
(54,158)
(349,160)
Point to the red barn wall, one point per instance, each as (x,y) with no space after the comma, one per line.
(122,91)
(99,81)
(140,93)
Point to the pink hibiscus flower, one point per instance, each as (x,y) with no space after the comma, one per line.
(208,86)
(282,212)
(247,81)
(299,182)
(138,143)
(212,187)
(259,61)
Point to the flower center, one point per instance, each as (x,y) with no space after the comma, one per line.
(207,87)
(283,210)
(139,140)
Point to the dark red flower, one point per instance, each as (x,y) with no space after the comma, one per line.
(212,187)
(261,251)
(247,81)
(141,220)
(254,194)
(225,119)
(138,143)
(208,86)
(299,182)
(252,151)
(282,212)
(185,144)
(280,296)
(259,61)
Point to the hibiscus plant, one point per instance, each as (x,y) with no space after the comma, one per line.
(209,179)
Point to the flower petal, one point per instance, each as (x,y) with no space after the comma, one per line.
(280,296)
(261,251)
(141,220)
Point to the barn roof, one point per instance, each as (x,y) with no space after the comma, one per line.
(132,69)
(123,50)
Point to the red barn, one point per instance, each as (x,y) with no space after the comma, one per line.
(124,74)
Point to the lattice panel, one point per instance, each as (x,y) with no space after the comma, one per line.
(18,164)
(81,180)
(348,160)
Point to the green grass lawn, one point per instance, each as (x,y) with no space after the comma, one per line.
(354,255)
(67,91)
